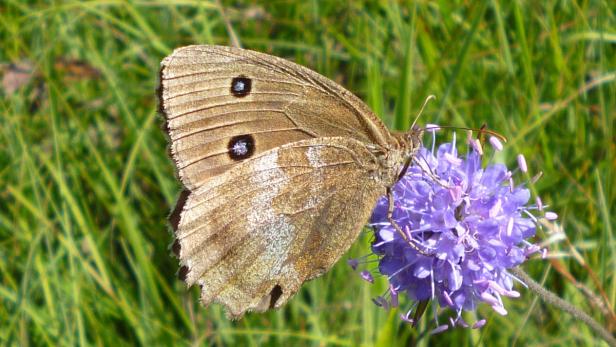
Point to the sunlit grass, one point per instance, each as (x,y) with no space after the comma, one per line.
(86,184)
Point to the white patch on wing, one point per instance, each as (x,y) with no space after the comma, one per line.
(314,156)
(274,227)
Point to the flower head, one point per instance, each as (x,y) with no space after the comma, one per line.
(470,224)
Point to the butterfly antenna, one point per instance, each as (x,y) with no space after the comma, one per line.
(480,131)
(429,98)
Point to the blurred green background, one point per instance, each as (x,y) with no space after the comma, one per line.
(86,184)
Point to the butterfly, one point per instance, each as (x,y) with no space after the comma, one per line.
(281,169)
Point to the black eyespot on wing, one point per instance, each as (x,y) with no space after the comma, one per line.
(241,86)
(275,294)
(241,147)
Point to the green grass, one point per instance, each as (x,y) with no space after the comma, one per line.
(86,184)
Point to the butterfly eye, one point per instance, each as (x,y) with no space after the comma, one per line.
(240,86)
(241,147)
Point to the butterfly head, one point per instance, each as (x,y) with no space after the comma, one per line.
(410,141)
(401,158)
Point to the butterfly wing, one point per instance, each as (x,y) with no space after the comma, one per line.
(223,105)
(251,237)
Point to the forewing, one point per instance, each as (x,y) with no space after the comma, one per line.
(210,95)
(250,238)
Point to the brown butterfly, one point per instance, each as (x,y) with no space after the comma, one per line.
(282,168)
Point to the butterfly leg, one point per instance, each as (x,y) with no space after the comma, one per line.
(405,237)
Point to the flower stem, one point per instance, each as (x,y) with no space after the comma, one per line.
(554,300)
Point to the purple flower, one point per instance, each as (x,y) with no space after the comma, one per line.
(471,223)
